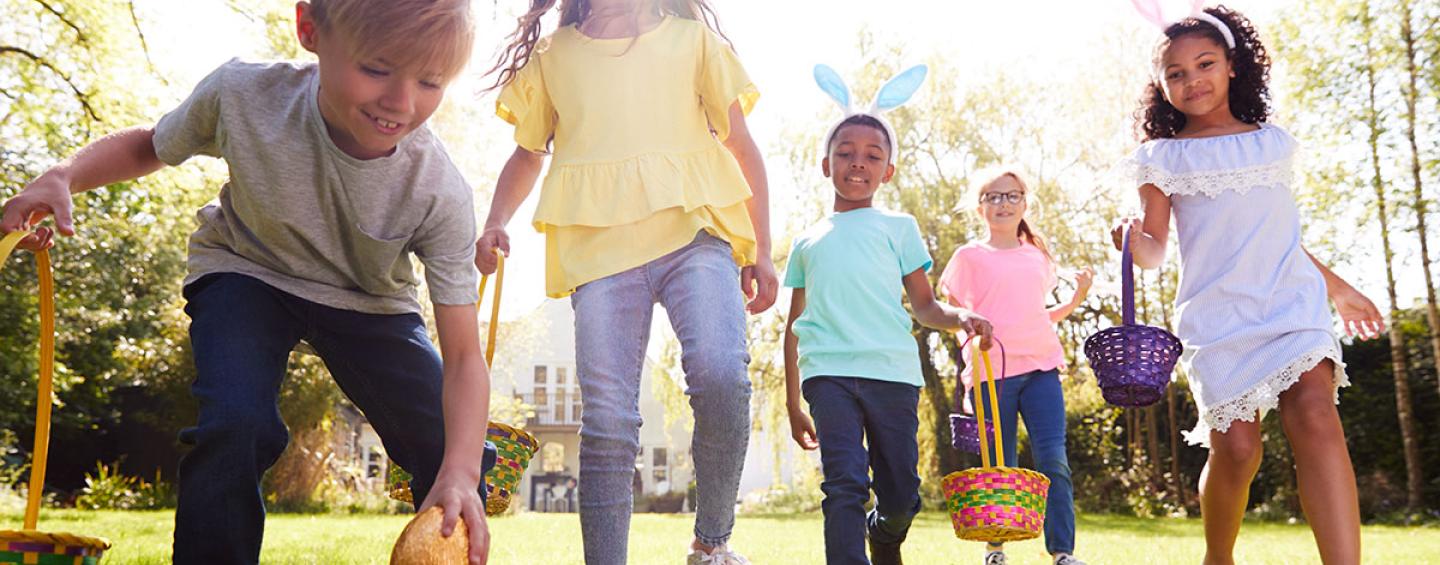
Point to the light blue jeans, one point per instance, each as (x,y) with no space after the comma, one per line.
(699,286)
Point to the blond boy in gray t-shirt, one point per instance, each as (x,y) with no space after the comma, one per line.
(334,183)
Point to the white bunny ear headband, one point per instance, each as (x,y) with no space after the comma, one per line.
(1165,14)
(894,94)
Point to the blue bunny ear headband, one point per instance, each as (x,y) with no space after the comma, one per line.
(894,94)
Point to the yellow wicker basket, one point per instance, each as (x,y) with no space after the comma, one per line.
(994,503)
(30,546)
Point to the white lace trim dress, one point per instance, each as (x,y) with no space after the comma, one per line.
(1252,311)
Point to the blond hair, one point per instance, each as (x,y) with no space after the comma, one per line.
(430,35)
(986,177)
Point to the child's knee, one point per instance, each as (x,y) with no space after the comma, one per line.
(718,371)
(1237,452)
(259,430)
(1055,468)
(1312,421)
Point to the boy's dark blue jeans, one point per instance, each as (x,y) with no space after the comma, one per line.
(241,332)
(850,414)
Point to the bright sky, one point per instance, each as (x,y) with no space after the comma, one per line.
(779,41)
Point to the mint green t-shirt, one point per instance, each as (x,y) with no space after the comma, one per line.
(851,266)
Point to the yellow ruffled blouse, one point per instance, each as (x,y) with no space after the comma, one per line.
(638,166)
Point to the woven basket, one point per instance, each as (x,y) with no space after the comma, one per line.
(994,503)
(514,447)
(1132,363)
(965,432)
(964,428)
(41,548)
(30,546)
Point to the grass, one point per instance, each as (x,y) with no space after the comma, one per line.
(554,539)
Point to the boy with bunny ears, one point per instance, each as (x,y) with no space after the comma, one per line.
(848,335)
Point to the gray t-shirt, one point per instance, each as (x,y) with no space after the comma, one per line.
(303,216)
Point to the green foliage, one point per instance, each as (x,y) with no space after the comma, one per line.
(800,496)
(109,489)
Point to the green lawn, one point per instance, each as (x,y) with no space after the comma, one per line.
(554,539)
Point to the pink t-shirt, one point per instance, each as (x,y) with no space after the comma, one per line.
(1007,287)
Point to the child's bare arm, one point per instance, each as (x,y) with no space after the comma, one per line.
(932,314)
(801,427)
(516,181)
(466,399)
(1360,316)
(1083,280)
(1149,233)
(122,155)
(760,281)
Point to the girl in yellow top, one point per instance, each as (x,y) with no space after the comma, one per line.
(656,193)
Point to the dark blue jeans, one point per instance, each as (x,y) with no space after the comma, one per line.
(241,332)
(1038,398)
(851,414)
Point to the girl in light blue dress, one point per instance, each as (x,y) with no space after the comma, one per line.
(1251,306)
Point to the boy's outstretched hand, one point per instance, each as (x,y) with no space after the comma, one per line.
(802,428)
(49,194)
(760,284)
(461,500)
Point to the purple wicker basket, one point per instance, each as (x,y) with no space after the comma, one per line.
(965,432)
(964,428)
(1132,362)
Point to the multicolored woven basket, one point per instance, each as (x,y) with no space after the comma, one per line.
(30,546)
(514,447)
(994,503)
(1132,363)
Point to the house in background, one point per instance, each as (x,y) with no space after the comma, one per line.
(546,381)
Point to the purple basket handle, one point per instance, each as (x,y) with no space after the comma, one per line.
(959,383)
(1127,278)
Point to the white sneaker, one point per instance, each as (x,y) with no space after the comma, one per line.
(1067,559)
(995,558)
(721,555)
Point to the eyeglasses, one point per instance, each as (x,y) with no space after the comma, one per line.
(996,198)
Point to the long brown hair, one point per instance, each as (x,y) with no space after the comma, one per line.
(574,12)
(988,177)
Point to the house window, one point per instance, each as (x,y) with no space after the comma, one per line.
(540,374)
(542,397)
(374,464)
(660,458)
(560,375)
(560,405)
(553,457)
(575,410)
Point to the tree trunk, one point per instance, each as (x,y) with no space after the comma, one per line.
(1432,316)
(1172,423)
(1399,363)
(940,404)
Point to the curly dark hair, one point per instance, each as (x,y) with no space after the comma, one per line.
(1249,90)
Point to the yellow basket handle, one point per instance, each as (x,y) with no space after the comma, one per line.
(494,304)
(989,381)
(41,452)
